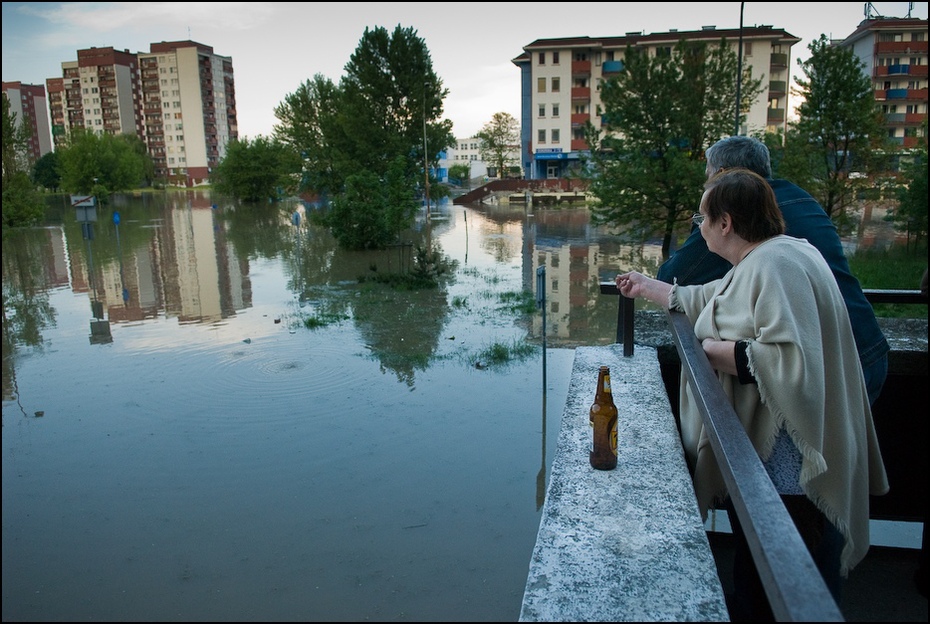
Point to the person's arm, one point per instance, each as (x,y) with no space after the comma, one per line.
(729,357)
(634,284)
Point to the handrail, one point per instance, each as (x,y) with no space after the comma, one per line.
(626,307)
(796,591)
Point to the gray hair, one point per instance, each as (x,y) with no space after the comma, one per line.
(739,151)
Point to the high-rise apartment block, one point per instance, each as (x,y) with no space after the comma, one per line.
(179,98)
(29,104)
(894,52)
(560,84)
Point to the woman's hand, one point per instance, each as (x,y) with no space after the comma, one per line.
(634,284)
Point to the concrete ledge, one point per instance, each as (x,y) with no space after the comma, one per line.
(627,544)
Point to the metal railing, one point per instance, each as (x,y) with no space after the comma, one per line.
(794,587)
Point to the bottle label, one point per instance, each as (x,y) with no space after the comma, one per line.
(607,384)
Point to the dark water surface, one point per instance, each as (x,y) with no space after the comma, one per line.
(179,445)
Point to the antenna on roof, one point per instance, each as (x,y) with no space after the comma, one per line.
(910,7)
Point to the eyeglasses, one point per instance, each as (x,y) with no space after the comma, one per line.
(697,219)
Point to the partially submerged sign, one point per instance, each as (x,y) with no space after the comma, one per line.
(86,207)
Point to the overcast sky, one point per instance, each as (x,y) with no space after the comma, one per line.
(275,46)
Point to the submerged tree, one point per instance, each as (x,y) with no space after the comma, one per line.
(101,164)
(259,170)
(646,166)
(387,107)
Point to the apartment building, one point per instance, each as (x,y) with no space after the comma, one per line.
(894,52)
(179,98)
(560,86)
(30,105)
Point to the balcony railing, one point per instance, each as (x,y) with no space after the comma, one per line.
(778,59)
(776,114)
(581,68)
(581,93)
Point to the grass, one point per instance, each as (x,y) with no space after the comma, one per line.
(499,353)
(323,319)
(896,268)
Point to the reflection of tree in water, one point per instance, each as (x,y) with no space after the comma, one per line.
(401,328)
(258,230)
(26,307)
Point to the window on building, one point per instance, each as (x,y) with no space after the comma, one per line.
(541,85)
(555,110)
(555,135)
(747,48)
(541,136)
(542,110)
(918,36)
(542,58)
(555,58)
(556,84)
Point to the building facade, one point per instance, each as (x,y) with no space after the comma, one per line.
(30,105)
(560,87)
(179,98)
(894,53)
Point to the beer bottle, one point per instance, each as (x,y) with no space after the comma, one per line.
(603,416)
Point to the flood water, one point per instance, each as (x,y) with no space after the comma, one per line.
(208,416)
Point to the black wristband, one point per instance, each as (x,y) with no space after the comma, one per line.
(742,363)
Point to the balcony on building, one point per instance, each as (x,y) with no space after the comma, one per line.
(579,145)
(579,119)
(900,47)
(777,88)
(776,114)
(778,60)
(581,94)
(581,68)
(611,67)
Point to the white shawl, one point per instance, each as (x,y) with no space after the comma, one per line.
(784,300)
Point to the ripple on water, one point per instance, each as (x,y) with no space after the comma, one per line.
(269,381)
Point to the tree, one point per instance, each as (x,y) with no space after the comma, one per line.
(101,164)
(258,170)
(45,172)
(646,165)
(460,173)
(387,106)
(910,215)
(22,205)
(499,139)
(308,123)
(372,211)
(838,130)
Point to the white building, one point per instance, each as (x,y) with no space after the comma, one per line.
(560,85)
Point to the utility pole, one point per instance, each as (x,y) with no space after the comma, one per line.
(425,155)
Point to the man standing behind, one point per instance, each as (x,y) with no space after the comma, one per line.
(804,218)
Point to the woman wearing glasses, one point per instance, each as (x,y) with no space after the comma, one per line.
(776,330)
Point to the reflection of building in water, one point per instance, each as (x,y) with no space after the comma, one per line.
(577,257)
(204,279)
(186,270)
